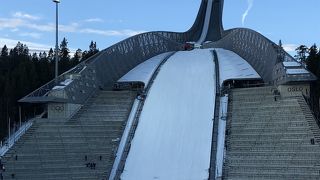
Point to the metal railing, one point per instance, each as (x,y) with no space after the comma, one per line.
(214,141)
(313,108)
(14,137)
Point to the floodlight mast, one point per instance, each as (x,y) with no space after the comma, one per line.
(57,48)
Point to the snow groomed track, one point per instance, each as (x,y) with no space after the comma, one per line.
(173,137)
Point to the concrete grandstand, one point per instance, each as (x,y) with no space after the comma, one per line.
(234,107)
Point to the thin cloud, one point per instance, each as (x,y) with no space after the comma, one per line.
(25,16)
(129,32)
(41,27)
(92,20)
(15,24)
(14,30)
(73,27)
(32,46)
(126,32)
(245,14)
(11,43)
(52,27)
(31,34)
(10,23)
(290,47)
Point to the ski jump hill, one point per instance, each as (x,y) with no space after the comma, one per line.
(207,103)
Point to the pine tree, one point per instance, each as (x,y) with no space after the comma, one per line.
(77,57)
(93,48)
(34,57)
(64,50)
(51,55)
(4,51)
(4,61)
(302,51)
(92,51)
(64,60)
(313,60)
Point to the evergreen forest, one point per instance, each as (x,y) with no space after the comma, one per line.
(23,71)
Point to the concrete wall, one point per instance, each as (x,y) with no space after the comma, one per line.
(294,90)
(62,110)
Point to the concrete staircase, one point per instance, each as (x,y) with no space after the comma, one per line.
(268,139)
(60,149)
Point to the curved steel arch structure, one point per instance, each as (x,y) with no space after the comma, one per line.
(107,66)
(262,54)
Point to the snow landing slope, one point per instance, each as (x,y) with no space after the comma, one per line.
(173,137)
(144,71)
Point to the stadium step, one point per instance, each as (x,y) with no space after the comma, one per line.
(61,149)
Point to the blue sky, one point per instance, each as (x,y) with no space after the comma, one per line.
(109,21)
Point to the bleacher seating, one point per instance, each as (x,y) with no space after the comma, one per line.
(60,149)
(270,139)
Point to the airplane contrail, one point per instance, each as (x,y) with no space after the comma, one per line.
(244,15)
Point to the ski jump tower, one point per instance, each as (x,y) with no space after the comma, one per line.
(103,69)
(272,63)
(67,98)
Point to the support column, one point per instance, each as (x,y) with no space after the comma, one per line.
(9,133)
(20,123)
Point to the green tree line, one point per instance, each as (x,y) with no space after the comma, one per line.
(310,57)
(22,72)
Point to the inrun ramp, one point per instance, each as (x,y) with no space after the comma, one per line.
(173,137)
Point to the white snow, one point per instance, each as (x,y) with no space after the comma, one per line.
(15,137)
(66,82)
(124,138)
(291,64)
(232,66)
(206,23)
(221,135)
(58,87)
(297,71)
(173,137)
(62,84)
(143,72)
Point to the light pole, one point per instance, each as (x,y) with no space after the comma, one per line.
(57,48)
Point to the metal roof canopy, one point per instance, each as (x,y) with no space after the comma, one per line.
(43,99)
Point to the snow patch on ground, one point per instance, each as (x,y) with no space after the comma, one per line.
(62,84)
(221,134)
(291,64)
(15,137)
(297,71)
(124,138)
(143,72)
(232,66)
